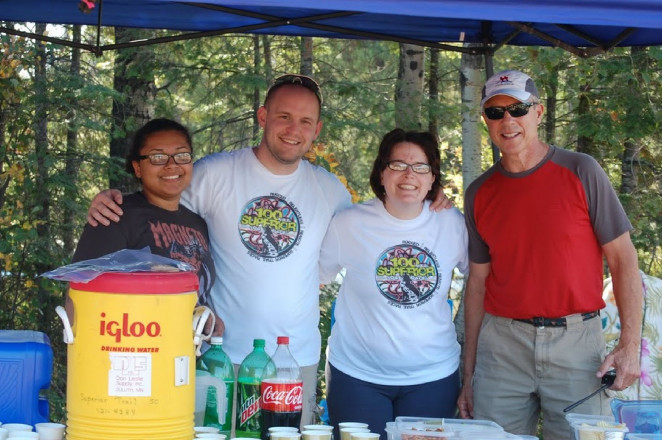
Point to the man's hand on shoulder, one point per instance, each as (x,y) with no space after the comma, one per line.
(105,208)
(440,202)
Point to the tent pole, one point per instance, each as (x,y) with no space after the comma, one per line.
(98,51)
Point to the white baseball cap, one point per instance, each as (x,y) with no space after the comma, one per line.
(512,83)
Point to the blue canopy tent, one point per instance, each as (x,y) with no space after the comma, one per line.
(584,27)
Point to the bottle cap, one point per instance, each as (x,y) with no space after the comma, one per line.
(216,340)
(283,340)
(258,342)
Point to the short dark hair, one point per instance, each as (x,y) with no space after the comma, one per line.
(144,132)
(423,139)
(291,79)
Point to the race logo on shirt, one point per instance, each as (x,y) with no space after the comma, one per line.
(407,275)
(270,227)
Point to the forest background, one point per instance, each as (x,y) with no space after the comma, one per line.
(66,119)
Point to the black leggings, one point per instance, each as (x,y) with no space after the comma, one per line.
(353,400)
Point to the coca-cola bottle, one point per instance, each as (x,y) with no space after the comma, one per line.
(249,378)
(282,393)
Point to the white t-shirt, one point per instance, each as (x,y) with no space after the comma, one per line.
(393,323)
(265,232)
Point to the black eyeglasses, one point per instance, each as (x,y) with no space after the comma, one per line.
(515,110)
(302,80)
(162,158)
(418,168)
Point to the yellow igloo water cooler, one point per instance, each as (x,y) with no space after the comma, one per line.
(131,357)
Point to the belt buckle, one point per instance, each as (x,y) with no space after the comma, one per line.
(538,321)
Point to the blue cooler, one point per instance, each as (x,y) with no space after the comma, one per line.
(26,366)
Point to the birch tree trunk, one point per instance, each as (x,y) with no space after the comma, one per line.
(471,83)
(409,87)
(306,67)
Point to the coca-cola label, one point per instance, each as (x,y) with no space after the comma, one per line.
(282,396)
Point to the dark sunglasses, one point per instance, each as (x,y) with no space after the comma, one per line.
(516,110)
(301,80)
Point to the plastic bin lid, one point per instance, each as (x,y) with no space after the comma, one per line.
(422,428)
(487,435)
(574,417)
(22,336)
(452,424)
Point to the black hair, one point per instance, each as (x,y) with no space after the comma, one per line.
(144,132)
(423,139)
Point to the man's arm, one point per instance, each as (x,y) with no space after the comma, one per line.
(628,292)
(440,201)
(105,207)
(474,311)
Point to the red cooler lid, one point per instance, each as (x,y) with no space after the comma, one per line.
(141,282)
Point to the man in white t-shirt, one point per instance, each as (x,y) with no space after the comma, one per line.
(267,212)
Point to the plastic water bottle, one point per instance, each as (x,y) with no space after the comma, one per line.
(254,367)
(214,388)
(282,393)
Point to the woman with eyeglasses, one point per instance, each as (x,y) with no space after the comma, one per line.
(161,158)
(393,349)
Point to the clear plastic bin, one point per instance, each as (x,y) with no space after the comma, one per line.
(640,416)
(422,428)
(641,436)
(424,423)
(403,432)
(598,430)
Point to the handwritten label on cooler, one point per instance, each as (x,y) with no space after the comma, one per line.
(130,374)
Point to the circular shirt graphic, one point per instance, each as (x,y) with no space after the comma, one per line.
(406,274)
(269,226)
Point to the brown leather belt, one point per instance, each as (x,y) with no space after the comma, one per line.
(539,321)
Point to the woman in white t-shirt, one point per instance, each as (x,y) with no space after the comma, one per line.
(393,350)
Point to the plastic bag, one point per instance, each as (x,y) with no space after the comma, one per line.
(125,260)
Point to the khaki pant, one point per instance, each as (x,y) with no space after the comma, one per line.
(523,371)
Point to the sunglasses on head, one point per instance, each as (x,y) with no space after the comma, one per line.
(515,110)
(301,80)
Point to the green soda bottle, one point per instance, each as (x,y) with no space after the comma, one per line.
(256,365)
(215,380)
